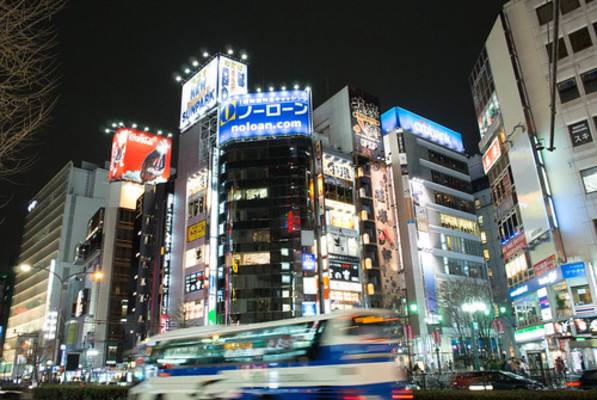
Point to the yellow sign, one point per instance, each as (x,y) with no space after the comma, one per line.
(196,231)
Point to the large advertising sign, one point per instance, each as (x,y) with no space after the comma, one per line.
(366,126)
(530,194)
(140,157)
(221,78)
(400,118)
(513,246)
(257,115)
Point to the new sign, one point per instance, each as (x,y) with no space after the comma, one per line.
(257,115)
(400,118)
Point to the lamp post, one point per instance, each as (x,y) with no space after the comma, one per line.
(472,307)
(97,275)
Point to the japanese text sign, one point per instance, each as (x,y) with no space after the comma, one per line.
(257,115)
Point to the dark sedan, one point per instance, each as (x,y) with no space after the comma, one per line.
(587,380)
(494,380)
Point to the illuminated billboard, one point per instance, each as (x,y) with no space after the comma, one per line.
(492,154)
(257,115)
(140,157)
(365,123)
(221,78)
(400,118)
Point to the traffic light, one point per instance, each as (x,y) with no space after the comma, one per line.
(503,310)
(413,308)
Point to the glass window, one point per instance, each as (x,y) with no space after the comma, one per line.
(581,295)
(562,300)
(545,13)
(568,90)
(589,81)
(477,204)
(580,40)
(562,49)
(568,5)
(589,179)
(483,237)
(486,254)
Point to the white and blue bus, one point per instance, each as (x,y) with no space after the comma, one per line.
(346,355)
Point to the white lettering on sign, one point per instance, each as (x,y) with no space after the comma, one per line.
(142,139)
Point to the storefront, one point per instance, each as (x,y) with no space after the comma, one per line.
(555,314)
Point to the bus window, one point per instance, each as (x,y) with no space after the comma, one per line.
(374,327)
(297,342)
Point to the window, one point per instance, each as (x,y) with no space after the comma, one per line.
(477,204)
(480,219)
(589,81)
(580,40)
(568,90)
(589,179)
(545,13)
(562,49)
(568,5)
(486,254)
(581,295)
(483,237)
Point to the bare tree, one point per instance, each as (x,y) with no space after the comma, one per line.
(179,317)
(453,294)
(28,77)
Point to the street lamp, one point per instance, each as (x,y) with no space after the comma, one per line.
(97,275)
(472,307)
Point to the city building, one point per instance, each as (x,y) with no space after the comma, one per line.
(542,162)
(505,322)
(443,272)
(55,224)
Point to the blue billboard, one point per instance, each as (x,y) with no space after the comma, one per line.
(400,118)
(257,115)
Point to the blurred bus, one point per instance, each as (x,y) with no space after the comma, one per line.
(343,355)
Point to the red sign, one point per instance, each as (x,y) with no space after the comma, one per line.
(407,330)
(546,265)
(492,154)
(498,325)
(140,157)
(163,323)
(437,338)
(514,246)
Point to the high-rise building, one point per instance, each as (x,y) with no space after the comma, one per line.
(55,224)
(443,272)
(541,159)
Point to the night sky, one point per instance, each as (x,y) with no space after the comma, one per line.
(119,58)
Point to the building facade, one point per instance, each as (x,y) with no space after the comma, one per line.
(542,183)
(444,270)
(56,223)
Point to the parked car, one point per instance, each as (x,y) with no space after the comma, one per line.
(494,380)
(587,380)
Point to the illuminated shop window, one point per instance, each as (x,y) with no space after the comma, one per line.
(581,295)
(486,254)
(563,304)
(483,237)
(517,270)
(248,194)
(253,258)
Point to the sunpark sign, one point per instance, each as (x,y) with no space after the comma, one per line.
(256,115)
(400,118)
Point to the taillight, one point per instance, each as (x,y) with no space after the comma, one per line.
(402,394)
(572,384)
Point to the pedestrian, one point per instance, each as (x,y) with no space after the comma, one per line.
(450,365)
(524,367)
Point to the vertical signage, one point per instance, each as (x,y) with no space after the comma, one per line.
(167,257)
(365,123)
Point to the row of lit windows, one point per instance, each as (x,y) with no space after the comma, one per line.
(460,245)
(464,268)
(447,200)
(451,182)
(448,162)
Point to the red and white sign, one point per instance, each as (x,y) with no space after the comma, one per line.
(140,157)
(407,330)
(498,325)
(492,154)
(514,246)
(546,265)
(437,338)
(163,323)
